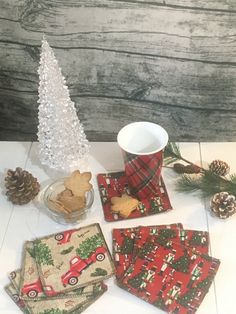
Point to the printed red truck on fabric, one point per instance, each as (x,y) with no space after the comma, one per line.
(33,289)
(77,265)
(64,237)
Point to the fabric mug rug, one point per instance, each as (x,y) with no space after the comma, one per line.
(118,203)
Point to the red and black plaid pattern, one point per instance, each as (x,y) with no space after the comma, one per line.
(143,173)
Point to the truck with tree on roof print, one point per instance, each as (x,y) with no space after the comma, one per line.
(78,264)
(89,251)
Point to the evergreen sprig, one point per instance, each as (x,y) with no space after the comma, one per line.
(206,181)
(171,153)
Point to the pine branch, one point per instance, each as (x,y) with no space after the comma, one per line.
(208,183)
(233,178)
(188,183)
(171,153)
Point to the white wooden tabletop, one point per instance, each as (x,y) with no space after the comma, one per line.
(21,223)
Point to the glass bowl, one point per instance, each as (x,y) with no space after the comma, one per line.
(50,194)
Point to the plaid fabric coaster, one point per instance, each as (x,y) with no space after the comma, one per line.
(116,184)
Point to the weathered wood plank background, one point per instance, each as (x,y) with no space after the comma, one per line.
(172,62)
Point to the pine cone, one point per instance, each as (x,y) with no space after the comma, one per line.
(219,167)
(21,186)
(180,168)
(223,205)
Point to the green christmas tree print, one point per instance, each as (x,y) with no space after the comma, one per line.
(196,239)
(205,283)
(67,251)
(136,281)
(42,253)
(182,264)
(96,290)
(164,235)
(53,311)
(145,250)
(186,299)
(156,206)
(160,303)
(99,272)
(89,245)
(207,257)
(31,251)
(167,233)
(78,291)
(25,310)
(127,246)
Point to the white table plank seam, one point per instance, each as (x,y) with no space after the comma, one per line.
(208,229)
(6,229)
(28,154)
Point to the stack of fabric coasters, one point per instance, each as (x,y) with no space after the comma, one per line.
(62,273)
(165,265)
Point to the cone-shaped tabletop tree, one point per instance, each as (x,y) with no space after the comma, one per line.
(62,141)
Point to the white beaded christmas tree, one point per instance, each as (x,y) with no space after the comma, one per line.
(62,142)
